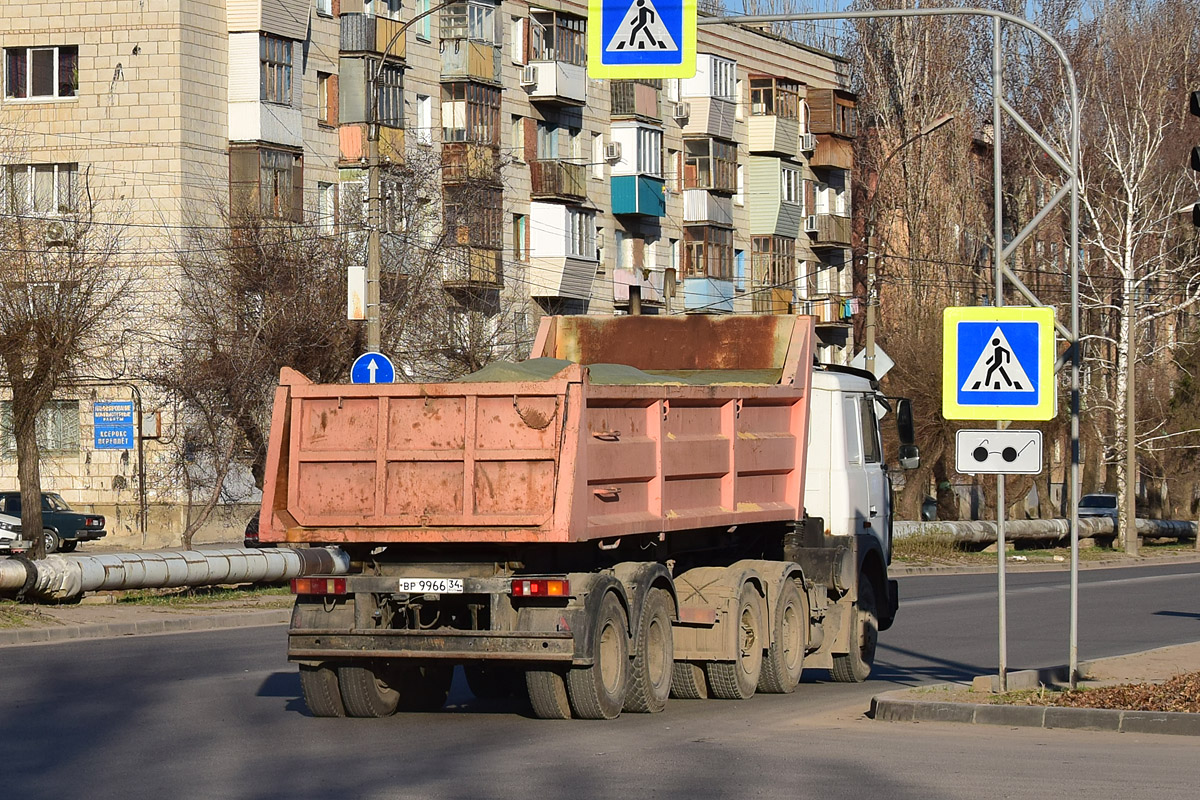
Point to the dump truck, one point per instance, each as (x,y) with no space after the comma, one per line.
(647,507)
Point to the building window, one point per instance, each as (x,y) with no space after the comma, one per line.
(275,55)
(424,126)
(708,252)
(557,37)
(41,188)
(475,215)
(31,72)
(710,164)
(266,182)
(739,197)
(471,113)
(843,121)
(516,39)
(520,223)
(518,138)
(723,78)
(425,24)
(623,245)
(597,159)
(772,97)
(327,99)
(772,262)
(474,21)
(649,151)
(791,187)
(383,8)
(581,234)
(57,427)
(326,207)
(390,95)
(325,8)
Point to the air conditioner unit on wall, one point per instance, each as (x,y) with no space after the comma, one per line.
(810,224)
(56,232)
(681,111)
(529,76)
(612,151)
(808,142)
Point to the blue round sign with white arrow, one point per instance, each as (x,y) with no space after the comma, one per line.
(372,368)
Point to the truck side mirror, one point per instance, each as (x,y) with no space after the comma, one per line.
(904,422)
(909,456)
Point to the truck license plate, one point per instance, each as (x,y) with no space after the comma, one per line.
(431,585)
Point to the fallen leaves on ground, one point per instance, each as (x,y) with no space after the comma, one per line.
(1181,693)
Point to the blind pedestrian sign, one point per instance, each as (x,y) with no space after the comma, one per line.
(998,363)
(641,38)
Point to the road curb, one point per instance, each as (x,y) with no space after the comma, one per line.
(893,707)
(145,627)
(897,570)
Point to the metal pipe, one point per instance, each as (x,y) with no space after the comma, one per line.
(61,577)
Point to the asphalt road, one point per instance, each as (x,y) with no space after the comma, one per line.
(219,715)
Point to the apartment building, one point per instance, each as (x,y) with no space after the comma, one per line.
(728,192)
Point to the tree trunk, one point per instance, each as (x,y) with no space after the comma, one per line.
(29,476)
(947,500)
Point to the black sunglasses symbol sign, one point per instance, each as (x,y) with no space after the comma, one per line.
(1009,454)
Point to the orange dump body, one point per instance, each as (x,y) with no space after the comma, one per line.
(556,460)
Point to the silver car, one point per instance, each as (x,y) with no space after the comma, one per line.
(1101,504)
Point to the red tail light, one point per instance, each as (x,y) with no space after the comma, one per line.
(541,587)
(318,585)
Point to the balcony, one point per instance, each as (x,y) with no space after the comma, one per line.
(555,82)
(828,309)
(638,194)
(558,180)
(465,60)
(771,301)
(828,230)
(710,295)
(772,135)
(561,276)
(709,116)
(472,270)
(352,143)
(702,206)
(468,162)
(832,151)
(367,33)
(649,283)
(635,99)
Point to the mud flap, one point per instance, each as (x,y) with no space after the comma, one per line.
(887,614)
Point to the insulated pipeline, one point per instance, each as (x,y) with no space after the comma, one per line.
(59,577)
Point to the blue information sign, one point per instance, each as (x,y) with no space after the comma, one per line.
(372,368)
(112,424)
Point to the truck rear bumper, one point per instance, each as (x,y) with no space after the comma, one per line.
(453,645)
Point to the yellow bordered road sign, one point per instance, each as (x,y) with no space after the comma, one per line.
(998,363)
(641,38)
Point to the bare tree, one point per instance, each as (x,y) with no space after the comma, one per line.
(64,284)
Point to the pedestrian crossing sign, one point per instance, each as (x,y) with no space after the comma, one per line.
(998,363)
(641,38)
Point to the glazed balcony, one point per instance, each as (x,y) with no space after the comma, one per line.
(558,180)
(635,99)
(466,60)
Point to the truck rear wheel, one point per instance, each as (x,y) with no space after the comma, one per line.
(855,666)
(737,679)
(548,694)
(784,661)
(366,691)
(687,682)
(422,687)
(598,691)
(319,684)
(653,656)
(491,681)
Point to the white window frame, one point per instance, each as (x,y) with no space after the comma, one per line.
(64,173)
(424,126)
(723,78)
(739,196)
(598,156)
(325,8)
(581,234)
(517,40)
(56,83)
(326,207)
(791,187)
(276,75)
(425,24)
(649,151)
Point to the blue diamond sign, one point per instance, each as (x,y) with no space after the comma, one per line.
(641,38)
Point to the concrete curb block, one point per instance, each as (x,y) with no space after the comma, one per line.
(891,707)
(896,570)
(174,624)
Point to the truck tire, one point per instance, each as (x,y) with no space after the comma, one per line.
(737,679)
(321,693)
(855,666)
(422,687)
(548,694)
(653,656)
(687,682)
(52,541)
(598,691)
(784,661)
(366,691)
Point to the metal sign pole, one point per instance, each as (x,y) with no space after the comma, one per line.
(998,302)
